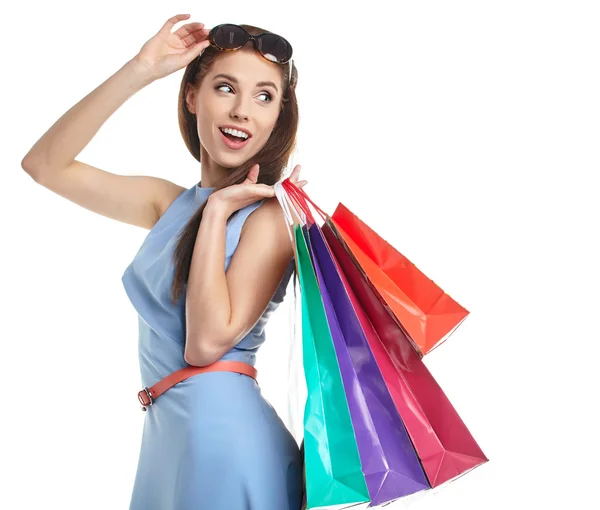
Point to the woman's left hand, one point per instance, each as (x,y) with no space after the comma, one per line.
(238,196)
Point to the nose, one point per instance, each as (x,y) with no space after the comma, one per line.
(240,109)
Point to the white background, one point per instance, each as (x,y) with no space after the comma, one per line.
(466,133)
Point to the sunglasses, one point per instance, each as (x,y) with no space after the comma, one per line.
(273,47)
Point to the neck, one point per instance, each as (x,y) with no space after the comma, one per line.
(210,172)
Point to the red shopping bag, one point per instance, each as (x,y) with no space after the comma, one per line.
(423,310)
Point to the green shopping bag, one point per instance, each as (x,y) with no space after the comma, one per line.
(334,477)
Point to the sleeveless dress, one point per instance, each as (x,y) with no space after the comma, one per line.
(212,441)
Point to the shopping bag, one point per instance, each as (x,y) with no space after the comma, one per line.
(334,477)
(389,461)
(423,310)
(443,443)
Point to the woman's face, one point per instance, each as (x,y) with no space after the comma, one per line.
(243,91)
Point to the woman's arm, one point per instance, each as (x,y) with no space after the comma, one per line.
(71,133)
(164,53)
(222,307)
(135,199)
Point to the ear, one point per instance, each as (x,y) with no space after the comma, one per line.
(190,99)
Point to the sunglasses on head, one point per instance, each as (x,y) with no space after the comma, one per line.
(273,47)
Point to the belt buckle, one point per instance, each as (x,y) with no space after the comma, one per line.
(145,398)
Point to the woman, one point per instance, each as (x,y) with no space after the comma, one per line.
(213,267)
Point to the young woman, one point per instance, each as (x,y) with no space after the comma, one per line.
(213,267)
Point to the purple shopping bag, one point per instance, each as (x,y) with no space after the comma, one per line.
(389,462)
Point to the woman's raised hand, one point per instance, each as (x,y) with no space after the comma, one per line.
(241,195)
(167,51)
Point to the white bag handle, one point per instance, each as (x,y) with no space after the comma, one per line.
(285,202)
(296,382)
(281,194)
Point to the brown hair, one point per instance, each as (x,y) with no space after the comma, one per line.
(272,158)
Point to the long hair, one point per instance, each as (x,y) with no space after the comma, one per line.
(272,158)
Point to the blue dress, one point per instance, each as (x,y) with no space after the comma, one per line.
(211,442)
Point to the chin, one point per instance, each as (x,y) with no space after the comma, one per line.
(230,160)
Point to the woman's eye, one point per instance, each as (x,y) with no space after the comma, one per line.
(268,96)
(223,85)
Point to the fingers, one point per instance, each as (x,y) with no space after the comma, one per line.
(192,36)
(194,50)
(195,37)
(252,176)
(295,174)
(171,22)
(265,191)
(269,191)
(260,190)
(188,28)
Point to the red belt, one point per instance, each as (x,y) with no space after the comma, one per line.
(147,396)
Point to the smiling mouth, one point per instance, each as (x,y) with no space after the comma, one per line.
(235,138)
(233,142)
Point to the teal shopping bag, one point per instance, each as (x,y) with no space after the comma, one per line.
(334,477)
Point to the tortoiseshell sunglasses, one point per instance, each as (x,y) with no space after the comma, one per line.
(273,47)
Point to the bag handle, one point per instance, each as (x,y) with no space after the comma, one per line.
(300,196)
(299,200)
(294,357)
(284,201)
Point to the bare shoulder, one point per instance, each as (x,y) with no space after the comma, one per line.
(169,191)
(269,216)
(266,229)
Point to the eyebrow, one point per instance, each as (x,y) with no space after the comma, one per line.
(234,80)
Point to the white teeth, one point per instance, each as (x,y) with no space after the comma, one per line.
(235,132)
